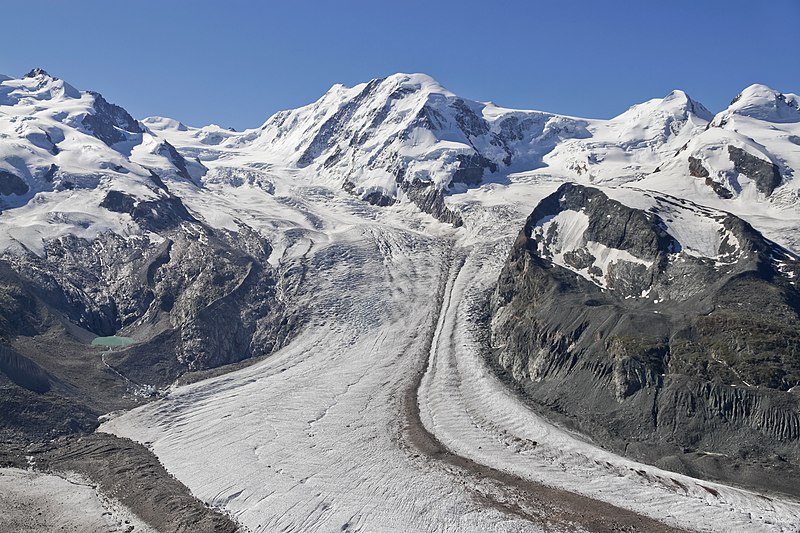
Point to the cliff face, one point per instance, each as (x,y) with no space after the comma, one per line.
(664,330)
(192,298)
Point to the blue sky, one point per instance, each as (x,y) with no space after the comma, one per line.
(236,62)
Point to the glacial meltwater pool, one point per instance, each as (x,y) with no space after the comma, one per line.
(112,341)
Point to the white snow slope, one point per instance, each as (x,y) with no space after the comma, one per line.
(314,437)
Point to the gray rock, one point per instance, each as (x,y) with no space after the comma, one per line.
(110,122)
(154,215)
(169,297)
(431,200)
(471,169)
(721,190)
(696,168)
(706,369)
(766,175)
(379,199)
(169,151)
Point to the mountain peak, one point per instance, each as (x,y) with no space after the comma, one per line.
(678,95)
(397,84)
(754,91)
(37,72)
(676,105)
(417,81)
(765,103)
(39,85)
(402,84)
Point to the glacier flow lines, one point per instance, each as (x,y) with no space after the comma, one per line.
(536,468)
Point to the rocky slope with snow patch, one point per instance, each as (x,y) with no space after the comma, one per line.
(94,243)
(663,329)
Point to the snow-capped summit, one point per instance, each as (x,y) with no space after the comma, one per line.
(36,72)
(633,144)
(382,138)
(764,103)
(35,85)
(677,104)
(414,82)
(164,123)
(748,153)
(63,150)
(398,139)
(405,137)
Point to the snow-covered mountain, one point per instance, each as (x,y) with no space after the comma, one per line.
(748,151)
(400,138)
(312,236)
(406,138)
(63,150)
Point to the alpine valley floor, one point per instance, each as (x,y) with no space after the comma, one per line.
(382,415)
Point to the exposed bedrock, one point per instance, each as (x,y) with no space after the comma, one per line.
(191,298)
(110,123)
(673,359)
(766,175)
(431,200)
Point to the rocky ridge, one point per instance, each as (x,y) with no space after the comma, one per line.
(661,352)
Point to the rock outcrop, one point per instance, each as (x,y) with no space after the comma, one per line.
(169,292)
(661,352)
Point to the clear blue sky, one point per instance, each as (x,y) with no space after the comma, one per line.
(236,62)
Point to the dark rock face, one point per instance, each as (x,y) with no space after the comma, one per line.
(36,72)
(12,184)
(169,151)
(335,125)
(431,200)
(374,197)
(158,182)
(705,364)
(471,168)
(721,190)
(696,168)
(469,121)
(110,122)
(169,296)
(379,199)
(154,215)
(766,175)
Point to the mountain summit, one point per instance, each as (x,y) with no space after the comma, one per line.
(407,138)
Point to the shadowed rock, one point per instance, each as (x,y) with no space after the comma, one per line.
(110,122)
(696,168)
(431,200)
(765,174)
(12,184)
